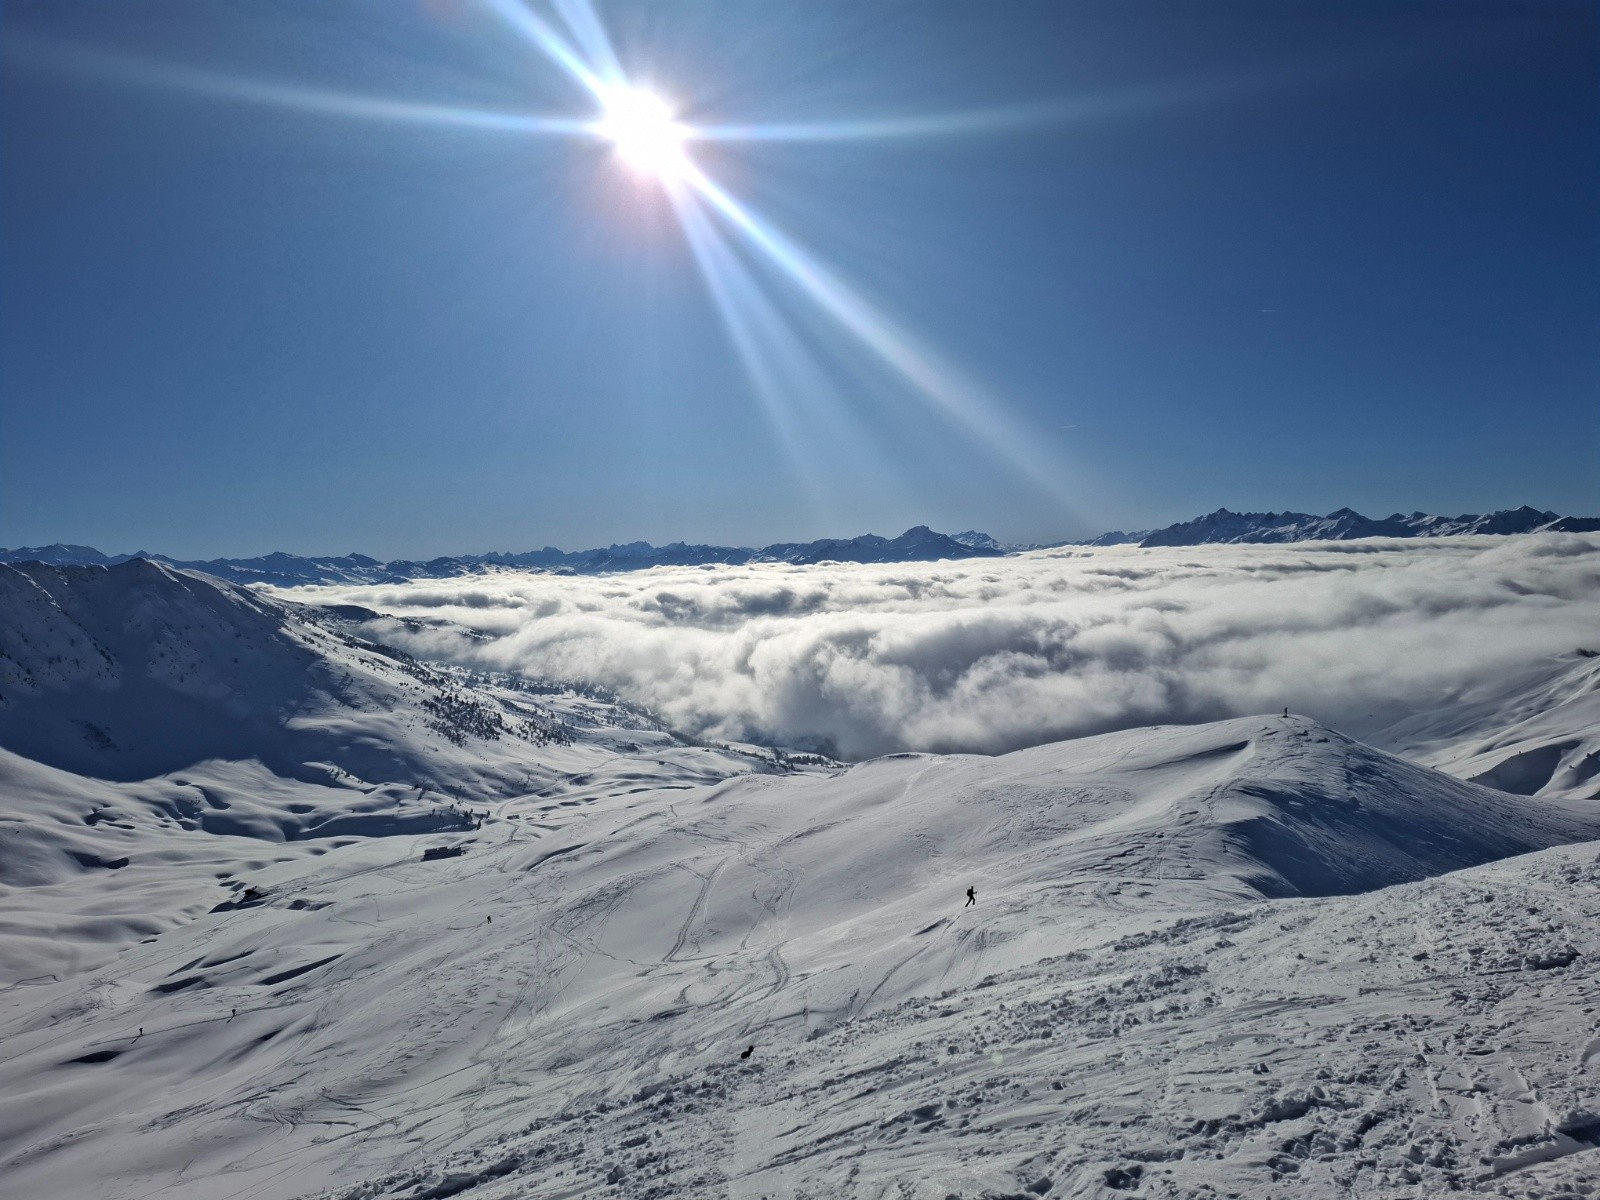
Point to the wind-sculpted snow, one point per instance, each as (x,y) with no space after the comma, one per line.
(995,654)
(560,1010)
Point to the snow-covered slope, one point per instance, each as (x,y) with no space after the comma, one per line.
(559,1011)
(165,733)
(138,669)
(132,670)
(1534,733)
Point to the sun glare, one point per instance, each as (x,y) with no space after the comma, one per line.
(647,137)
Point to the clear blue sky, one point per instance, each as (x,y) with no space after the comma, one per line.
(1259,255)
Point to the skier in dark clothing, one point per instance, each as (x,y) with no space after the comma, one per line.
(747,1053)
(972,898)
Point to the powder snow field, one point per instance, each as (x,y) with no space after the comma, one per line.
(1248,958)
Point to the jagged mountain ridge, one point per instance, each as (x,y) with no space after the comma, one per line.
(281,569)
(1346,524)
(917,544)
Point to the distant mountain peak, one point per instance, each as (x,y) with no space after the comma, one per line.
(1345,524)
(919,543)
(283,569)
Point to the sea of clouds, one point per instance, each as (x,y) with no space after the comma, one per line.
(989,655)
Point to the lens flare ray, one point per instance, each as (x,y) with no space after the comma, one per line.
(545,37)
(960,401)
(983,120)
(796,398)
(638,133)
(590,33)
(648,136)
(123,69)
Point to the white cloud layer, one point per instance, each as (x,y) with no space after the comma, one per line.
(993,654)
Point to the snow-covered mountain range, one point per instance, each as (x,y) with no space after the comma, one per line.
(917,544)
(286,912)
(1342,524)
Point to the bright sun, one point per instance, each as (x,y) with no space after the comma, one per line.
(641,126)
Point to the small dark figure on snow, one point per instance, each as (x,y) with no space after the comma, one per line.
(747,1052)
(972,898)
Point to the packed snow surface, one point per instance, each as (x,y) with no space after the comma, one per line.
(560,1009)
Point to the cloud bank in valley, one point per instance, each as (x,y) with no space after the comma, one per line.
(994,654)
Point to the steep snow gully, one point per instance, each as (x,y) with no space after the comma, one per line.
(1252,958)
